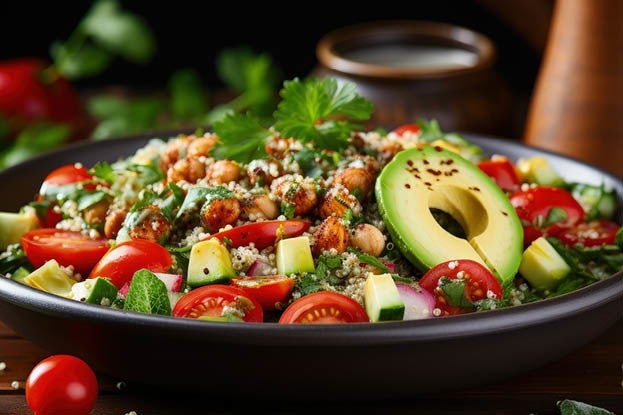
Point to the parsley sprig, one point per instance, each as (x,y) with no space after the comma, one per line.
(319,111)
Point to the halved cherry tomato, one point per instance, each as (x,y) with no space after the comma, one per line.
(480,284)
(502,172)
(324,307)
(407,128)
(593,233)
(210,300)
(534,205)
(262,234)
(64,175)
(61,384)
(57,178)
(66,247)
(268,290)
(120,263)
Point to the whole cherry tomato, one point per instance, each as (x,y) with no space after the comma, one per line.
(61,384)
(30,91)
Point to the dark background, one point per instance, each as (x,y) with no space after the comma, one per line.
(190,34)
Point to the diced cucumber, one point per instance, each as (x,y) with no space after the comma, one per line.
(542,266)
(538,170)
(382,299)
(227,318)
(596,200)
(50,278)
(294,256)
(95,291)
(209,263)
(20,274)
(14,225)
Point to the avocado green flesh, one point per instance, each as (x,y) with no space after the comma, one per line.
(419,179)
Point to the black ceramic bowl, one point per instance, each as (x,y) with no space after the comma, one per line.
(357,360)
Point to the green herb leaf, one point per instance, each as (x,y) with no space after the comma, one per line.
(555,215)
(119,31)
(372,260)
(490,304)
(148,174)
(172,202)
(242,138)
(307,159)
(254,76)
(34,139)
(569,407)
(455,291)
(147,294)
(188,99)
(315,109)
(121,117)
(103,170)
(86,198)
(80,62)
(593,263)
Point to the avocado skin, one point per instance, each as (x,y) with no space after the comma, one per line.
(435,165)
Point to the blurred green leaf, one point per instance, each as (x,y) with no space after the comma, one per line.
(188,99)
(34,139)
(79,62)
(123,117)
(119,31)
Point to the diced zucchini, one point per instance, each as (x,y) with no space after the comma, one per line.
(538,170)
(294,256)
(209,263)
(20,274)
(382,299)
(14,225)
(95,291)
(50,278)
(542,266)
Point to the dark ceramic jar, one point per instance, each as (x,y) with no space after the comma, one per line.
(416,69)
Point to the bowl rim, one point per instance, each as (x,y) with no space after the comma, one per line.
(328,49)
(354,334)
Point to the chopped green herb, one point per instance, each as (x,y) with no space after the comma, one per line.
(13,260)
(148,174)
(147,294)
(104,171)
(87,198)
(569,407)
(371,260)
(455,291)
(288,209)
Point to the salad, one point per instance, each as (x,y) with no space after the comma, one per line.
(312,217)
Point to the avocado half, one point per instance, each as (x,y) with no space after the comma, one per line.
(422,178)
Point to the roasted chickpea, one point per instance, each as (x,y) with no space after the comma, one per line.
(114,221)
(223,171)
(173,151)
(357,180)
(187,169)
(201,146)
(337,201)
(331,234)
(152,225)
(295,191)
(263,172)
(96,213)
(260,207)
(218,213)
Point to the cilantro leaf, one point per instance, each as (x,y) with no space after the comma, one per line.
(372,260)
(86,198)
(242,138)
(148,173)
(147,294)
(569,407)
(104,171)
(455,291)
(316,109)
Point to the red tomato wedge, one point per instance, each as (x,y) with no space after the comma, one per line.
(262,234)
(480,284)
(61,384)
(407,128)
(66,247)
(594,233)
(210,300)
(267,290)
(324,307)
(502,171)
(121,262)
(535,205)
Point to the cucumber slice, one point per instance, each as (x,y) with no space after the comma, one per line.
(542,266)
(382,299)
(294,256)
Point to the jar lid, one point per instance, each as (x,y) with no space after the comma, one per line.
(405,49)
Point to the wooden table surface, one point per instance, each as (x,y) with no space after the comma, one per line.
(592,374)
